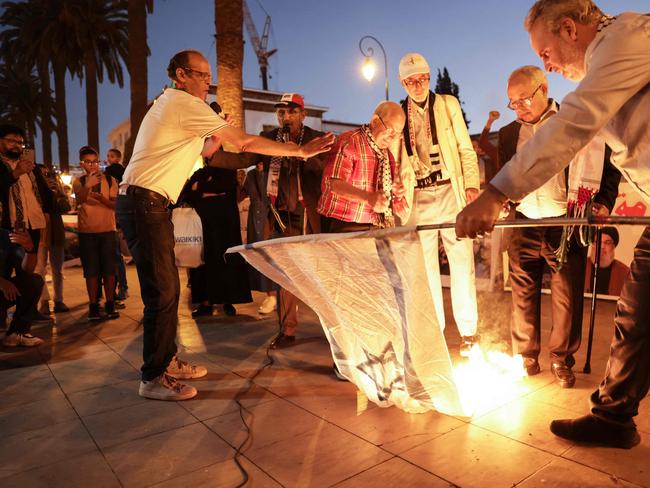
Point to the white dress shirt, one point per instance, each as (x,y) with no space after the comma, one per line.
(614,97)
(549,200)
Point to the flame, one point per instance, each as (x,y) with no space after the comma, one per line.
(488,379)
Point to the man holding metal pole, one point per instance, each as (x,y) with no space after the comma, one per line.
(610,57)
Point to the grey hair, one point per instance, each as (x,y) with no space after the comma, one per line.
(551,12)
(529,72)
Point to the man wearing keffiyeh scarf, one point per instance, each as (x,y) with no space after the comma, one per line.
(439,170)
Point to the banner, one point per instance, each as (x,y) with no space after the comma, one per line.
(370,292)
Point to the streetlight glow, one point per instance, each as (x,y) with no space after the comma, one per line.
(368,69)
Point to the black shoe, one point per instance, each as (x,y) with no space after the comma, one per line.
(229,310)
(93,312)
(202,311)
(119,305)
(39,318)
(466,344)
(122,294)
(109,309)
(594,430)
(60,307)
(564,375)
(281,341)
(532,366)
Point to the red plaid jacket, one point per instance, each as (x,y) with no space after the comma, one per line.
(351,160)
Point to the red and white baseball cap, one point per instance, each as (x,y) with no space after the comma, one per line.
(291,100)
(412,64)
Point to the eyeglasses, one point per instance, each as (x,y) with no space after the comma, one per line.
(201,75)
(525,102)
(15,142)
(411,82)
(392,133)
(86,161)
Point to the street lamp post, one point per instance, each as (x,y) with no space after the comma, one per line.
(368,68)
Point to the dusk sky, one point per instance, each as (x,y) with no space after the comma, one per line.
(479,41)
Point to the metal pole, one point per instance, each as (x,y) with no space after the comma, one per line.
(550,222)
(369,51)
(592,312)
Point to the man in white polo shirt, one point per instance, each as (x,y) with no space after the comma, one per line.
(178,129)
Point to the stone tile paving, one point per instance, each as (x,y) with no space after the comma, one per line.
(70,415)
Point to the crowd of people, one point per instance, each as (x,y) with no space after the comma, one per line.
(412,163)
(34,200)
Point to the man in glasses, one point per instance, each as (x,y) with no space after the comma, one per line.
(96,193)
(531,248)
(178,129)
(440,173)
(609,58)
(24,194)
(358,188)
(292,188)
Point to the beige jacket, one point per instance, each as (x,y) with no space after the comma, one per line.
(456,150)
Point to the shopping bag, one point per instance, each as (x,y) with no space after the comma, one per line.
(188,237)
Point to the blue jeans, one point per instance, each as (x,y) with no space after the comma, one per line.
(149,233)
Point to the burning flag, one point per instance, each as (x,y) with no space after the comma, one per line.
(371,294)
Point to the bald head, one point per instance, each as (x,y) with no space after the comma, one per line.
(387,123)
(389,110)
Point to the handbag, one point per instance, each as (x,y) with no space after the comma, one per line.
(188,237)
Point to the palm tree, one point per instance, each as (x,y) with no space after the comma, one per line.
(60,43)
(229,21)
(22,48)
(137,64)
(101,30)
(20,99)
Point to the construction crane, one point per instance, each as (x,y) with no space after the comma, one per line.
(260,45)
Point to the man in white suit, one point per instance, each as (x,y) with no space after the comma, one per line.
(439,171)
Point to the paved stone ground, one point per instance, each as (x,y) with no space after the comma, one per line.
(70,414)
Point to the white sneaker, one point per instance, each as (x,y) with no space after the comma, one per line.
(269,305)
(26,340)
(183,370)
(166,388)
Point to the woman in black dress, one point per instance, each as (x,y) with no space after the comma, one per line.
(223,279)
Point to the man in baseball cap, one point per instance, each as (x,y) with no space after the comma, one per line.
(291,100)
(439,170)
(293,188)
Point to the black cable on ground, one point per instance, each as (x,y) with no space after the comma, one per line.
(269,362)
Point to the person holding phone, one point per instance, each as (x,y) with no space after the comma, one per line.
(96,194)
(24,193)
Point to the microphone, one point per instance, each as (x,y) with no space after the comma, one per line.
(284,130)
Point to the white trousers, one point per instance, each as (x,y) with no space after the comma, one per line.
(438,205)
